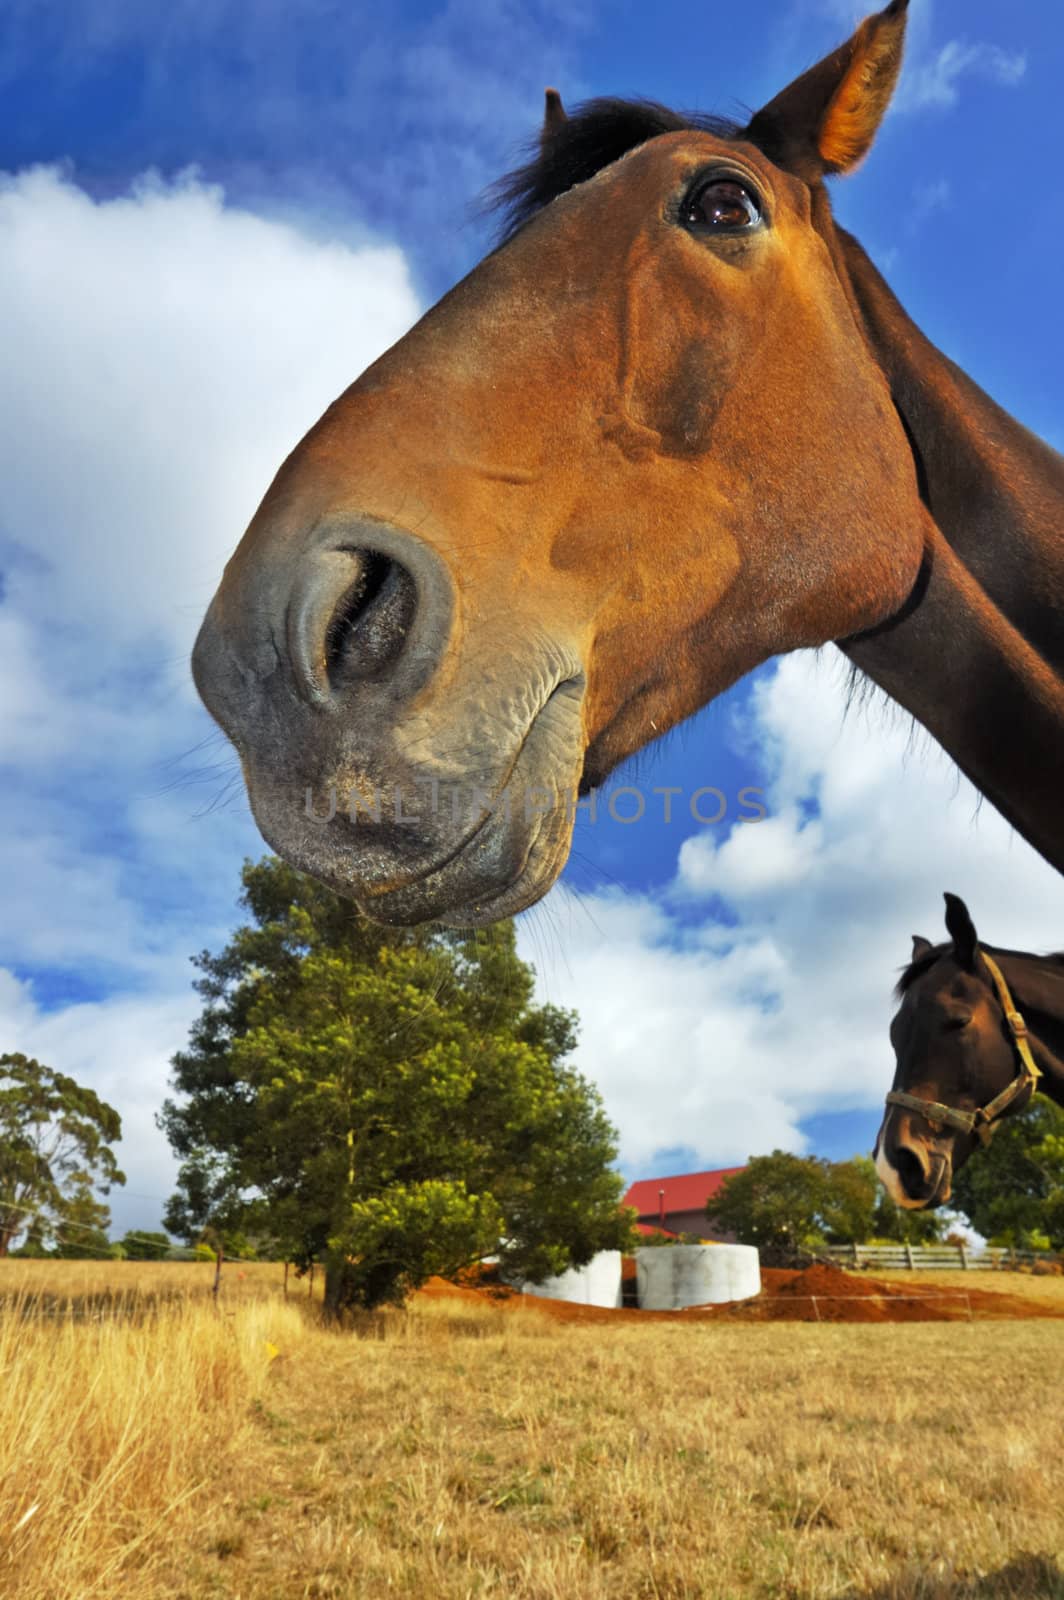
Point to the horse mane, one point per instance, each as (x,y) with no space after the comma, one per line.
(595,135)
(1048,965)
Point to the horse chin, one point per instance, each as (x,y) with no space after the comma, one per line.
(470,856)
(504,869)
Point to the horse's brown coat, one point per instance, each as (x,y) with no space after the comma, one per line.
(620,464)
(952,1047)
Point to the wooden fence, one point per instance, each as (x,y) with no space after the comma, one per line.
(934,1257)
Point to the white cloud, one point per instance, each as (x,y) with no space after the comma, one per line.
(932,73)
(933,84)
(723,1037)
(162,353)
(929,198)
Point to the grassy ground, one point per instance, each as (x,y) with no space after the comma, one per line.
(1028,1286)
(455,1451)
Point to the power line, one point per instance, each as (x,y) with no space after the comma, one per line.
(84,1227)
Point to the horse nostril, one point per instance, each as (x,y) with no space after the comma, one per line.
(348,619)
(910,1171)
(369,625)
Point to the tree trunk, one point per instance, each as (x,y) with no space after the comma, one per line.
(334,1287)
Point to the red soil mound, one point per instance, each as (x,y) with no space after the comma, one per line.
(815,1294)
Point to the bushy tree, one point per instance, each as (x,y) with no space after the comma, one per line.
(144,1246)
(788,1205)
(893,1222)
(389,1101)
(775,1202)
(82,1232)
(55,1150)
(1012,1192)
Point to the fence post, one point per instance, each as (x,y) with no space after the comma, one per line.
(286,1278)
(963,1253)
(909,1255)
(217,1272)
(856,1257)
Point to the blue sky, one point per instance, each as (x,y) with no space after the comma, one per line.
(211,218)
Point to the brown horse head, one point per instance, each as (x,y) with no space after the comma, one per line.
(956,1051)
(641,448)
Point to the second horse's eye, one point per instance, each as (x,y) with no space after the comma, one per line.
(722,203)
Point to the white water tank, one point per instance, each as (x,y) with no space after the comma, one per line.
(597,1284)
(671,1277)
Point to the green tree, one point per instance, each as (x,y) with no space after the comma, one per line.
(55,1148)
(82,1232)
(1013,1191)
(787,1205)
(141,1246)
(389,1101)
(775,1202)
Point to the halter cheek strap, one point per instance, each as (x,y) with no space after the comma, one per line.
(982,1121)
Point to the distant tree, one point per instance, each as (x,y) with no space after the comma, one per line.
(787,1204)
(847,1212)
(138,1246)
(388,1101)
(206,1206)
(55,1149)
(82,1232)
(1013,1191)
(34,1246)
(776,1202)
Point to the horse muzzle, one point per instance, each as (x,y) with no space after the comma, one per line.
(420,782)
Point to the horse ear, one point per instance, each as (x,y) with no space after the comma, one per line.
(554,115)
(921,947)
(825,121)
(961,930)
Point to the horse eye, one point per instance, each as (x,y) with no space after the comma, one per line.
(955,1024)
(723,204)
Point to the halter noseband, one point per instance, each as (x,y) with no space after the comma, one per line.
(982,1121)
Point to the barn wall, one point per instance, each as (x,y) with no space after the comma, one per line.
(695,1222)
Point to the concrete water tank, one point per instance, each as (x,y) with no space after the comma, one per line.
(597,1284)
(670,1277)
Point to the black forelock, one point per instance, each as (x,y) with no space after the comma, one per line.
(592,137)
(916,969)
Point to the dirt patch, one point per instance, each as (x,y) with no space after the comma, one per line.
(815,1294)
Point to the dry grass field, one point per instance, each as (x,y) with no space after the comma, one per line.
(160,1448)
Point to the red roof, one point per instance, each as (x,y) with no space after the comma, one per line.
(684,1191)
(649,1231)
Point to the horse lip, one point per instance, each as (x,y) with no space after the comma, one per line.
(394,903)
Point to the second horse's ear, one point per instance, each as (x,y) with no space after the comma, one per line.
(961,930)
(826,120)
(921,947)
(554,115)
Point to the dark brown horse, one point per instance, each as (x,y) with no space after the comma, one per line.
(674,425)
(979,1030)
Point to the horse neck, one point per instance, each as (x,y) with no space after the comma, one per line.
(994,489)
(977,653)
(1037,986)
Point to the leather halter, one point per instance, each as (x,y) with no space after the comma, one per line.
(982,1121)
